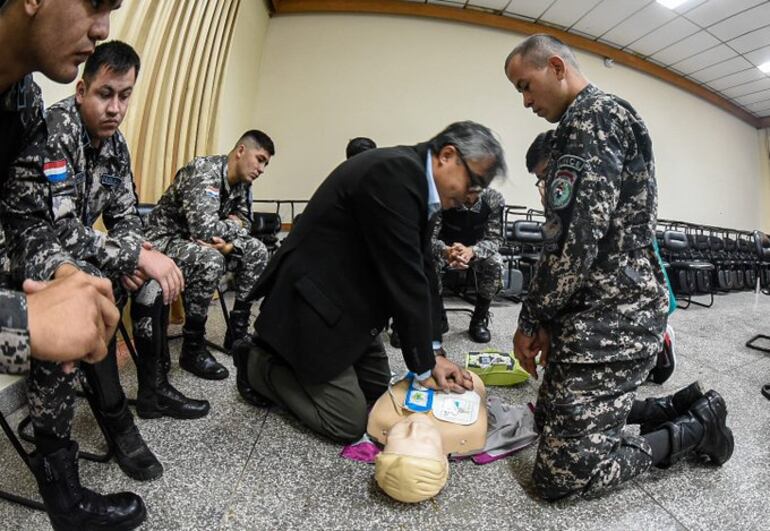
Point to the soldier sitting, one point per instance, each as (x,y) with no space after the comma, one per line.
(469,237)
(87,174)
(203,223)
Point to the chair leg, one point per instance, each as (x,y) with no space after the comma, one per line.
(15,498)
(751,343)
(704,305)
(89,456)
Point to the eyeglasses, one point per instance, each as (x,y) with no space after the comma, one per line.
(540,184)
(477,181)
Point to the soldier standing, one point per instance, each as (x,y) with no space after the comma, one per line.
(469,237)
(203,223)
(597,304)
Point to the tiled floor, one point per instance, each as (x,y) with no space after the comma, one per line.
(244,468)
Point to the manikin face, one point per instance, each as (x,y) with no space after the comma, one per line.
(415,436)
(544,90)
(452,175)
(103,101)
(251,162)
(65,32)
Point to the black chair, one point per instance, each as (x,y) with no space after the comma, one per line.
(7,383)
(686,271)
(762,249)
(265,226)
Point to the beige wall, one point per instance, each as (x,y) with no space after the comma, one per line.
(237,106)
(327,78)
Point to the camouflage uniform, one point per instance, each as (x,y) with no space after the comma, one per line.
(86,183)
(487,262)
(196,206)
(21,113)
(600,291)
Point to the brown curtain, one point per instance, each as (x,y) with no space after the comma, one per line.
(183,45)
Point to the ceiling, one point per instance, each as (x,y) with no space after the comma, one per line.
(717,44)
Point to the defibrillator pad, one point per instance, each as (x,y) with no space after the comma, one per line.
(418,397)
(457,408)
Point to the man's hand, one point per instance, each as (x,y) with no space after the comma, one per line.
(463,253)
(219,244)
(449,377)
(526,348)
(135,281)
(72,318)
(65,270)
(158,266)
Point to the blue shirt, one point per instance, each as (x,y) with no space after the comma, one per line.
(434,205)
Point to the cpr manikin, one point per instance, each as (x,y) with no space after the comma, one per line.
(413,466)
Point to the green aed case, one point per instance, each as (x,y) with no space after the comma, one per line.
(495,367)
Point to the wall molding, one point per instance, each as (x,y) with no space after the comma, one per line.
(490,20)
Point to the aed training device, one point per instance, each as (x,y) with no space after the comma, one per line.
(495,367)
(418,397)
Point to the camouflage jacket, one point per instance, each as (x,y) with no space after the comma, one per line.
(598,268)
(197,204)
(490,243)
(67,181)
(21,118)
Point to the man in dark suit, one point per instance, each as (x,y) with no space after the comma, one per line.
(359,255)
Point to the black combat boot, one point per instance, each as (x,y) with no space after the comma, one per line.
(480,321)
(71,507)
(157,397)
(240,351)
(195,357)
(131,452)
(702,431)
(655,411)
(239,324)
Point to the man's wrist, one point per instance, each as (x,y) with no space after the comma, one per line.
(527,327)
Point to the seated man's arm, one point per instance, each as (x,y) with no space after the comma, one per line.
(14,335)
(199,191)
(29,199)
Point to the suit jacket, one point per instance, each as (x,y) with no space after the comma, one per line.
(359,254)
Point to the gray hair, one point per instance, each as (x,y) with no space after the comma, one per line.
(474,142)
(538,48)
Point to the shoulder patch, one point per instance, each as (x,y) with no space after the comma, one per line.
(212,191)
(561,189)
(571,162)
(110,181)
(56,171)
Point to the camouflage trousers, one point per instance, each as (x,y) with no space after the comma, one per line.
(203,268)
(488,273)
(581,412)
(51,390)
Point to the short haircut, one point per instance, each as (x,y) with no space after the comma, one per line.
(260,139)
(539,47)
(114,55)
(540,149)
(474,142)
(359,145)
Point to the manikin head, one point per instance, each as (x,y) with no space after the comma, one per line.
(413,466)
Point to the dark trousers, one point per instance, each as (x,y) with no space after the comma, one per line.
(336,409)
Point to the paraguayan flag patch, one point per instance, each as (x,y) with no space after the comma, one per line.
(56,171)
